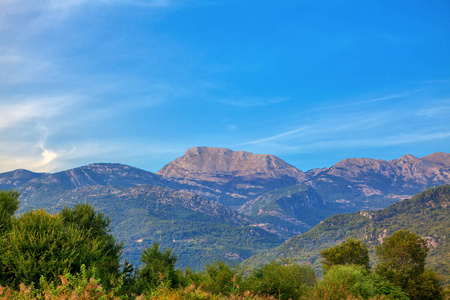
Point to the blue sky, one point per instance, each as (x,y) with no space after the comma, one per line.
(138,82)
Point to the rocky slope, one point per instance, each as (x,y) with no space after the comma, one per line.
(374,183)
(210,163)
(231,177)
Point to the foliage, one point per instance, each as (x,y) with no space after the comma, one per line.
(9,203)
(95,227)
(349,252)
(353,281)
(158,269)
(41,244)
(402,262)
(282,280)
(427,286)
(218,277)
(402,257)
(78,286)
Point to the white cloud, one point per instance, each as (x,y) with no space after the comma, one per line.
(277,137)
(25,110)
(252,101)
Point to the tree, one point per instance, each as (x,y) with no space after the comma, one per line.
(95,226)
(9,203)
(402,261)
(41,244)
(349,252)
(38,244)
(159,267)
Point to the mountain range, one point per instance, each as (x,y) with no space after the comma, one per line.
(215,202)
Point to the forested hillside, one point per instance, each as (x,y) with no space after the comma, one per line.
(427,214)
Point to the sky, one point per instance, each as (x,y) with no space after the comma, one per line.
(139,82)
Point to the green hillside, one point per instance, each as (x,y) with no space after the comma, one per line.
(197,229)
(426,214)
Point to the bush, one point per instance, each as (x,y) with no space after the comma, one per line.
(284,281)
(158,269)
(354,282)
(217,278)
(40,244)
(349,252)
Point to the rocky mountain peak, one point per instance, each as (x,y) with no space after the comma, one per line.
(212,161)
(438,158)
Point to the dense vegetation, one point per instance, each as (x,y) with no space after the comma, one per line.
(73,254)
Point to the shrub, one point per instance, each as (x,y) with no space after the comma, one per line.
(284,281)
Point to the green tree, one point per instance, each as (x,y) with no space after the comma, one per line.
(95,226)
(349,252)
(159,268)
(402,261)
(41,244)
(9,203)
(38,244)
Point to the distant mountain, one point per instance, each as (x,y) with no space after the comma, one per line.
(14,179)
(427,214)
(231,177)
(364,183)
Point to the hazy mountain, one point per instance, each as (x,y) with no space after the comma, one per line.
(427,214)
(364,183)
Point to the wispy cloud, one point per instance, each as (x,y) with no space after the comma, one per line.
(251,102)
(290,133)
(368,101)
(18,111)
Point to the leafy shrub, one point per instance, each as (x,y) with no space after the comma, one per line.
(78,286)
(349,252)
(284,281)
(41,244)
(217,278)
(158,270)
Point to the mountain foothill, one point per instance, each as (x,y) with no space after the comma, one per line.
(217,203)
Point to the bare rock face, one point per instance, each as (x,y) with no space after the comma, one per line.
(397,179)
(207,162)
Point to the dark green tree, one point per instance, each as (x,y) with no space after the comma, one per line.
(38,244)
(95,226)
(9,203)
(349,252)
(41,244)
(402,261)
(159,268)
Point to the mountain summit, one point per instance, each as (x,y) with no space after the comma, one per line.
(209,162)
